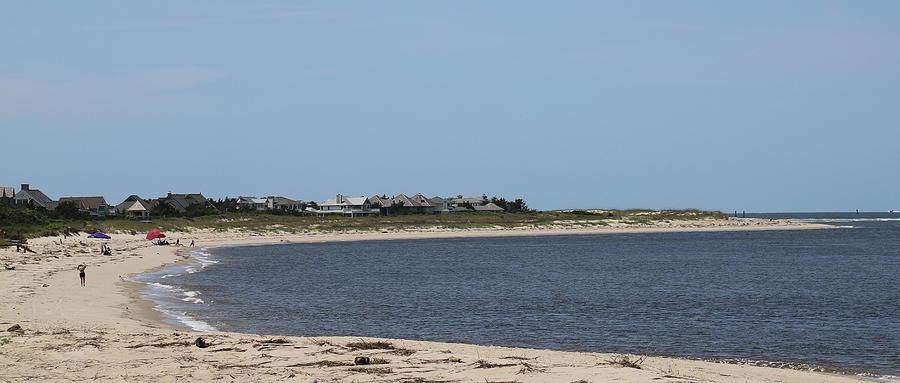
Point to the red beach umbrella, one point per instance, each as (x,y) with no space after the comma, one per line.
(154,234)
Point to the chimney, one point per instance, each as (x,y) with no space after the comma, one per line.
(169,194)
(339,199)
(25,187)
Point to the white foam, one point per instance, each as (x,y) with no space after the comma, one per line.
(191,296)
(825,220)
(165,296)
(188,321)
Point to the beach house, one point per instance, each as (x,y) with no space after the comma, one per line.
(180,202)
(251,203)
(284,204)
(441,205)
(417,204)
(134,207)
(477,203)
(95,206)
(349,206)
(490,206)
(382,203)
(27,196)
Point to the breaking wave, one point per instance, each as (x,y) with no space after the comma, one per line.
(170,299)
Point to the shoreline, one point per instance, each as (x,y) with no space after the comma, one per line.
(150,315)
(121,310)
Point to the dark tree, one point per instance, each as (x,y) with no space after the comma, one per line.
(396,208)
(67,210)
(163,209)
(198,210)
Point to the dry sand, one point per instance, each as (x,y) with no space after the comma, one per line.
(104,332)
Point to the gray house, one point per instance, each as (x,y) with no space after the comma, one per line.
(441,205)
(284,204)
(180,202)
(28,195)
(251,203)
(477,203)
(95,206)
(418,203)
(134,207)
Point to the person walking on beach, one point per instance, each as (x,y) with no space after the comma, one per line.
(192,243)
(81,273)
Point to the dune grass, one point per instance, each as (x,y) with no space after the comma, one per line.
(260,222)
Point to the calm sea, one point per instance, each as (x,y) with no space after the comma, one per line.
(816,298)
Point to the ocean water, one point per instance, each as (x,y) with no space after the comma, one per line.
(823,299)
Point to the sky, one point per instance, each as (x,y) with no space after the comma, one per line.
(760,106)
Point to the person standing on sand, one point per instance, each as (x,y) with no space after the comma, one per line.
(192,243)
(81,273)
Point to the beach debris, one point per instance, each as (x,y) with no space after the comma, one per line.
(363,345)
(8,267)
(200,342)
(528,368)
(323,363)
(15,328)
(481,363)
(361,360)
(372,370)
(364,360)
(161,344)
(627,361)
(44,285)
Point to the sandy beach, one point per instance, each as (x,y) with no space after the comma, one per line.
(105,332)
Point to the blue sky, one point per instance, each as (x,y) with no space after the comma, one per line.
(757,106)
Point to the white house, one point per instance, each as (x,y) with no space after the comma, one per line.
(252,203)
(352,206)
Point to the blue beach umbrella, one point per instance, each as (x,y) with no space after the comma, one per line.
(101,236)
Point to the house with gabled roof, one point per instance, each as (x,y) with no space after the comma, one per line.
(418,203)
(284,204)
(350,206)
(27,196)
(441,205)
(135,207)
(382,203)
(477,203)
(180,202)
(251,203)
(490,206)
(95,206)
